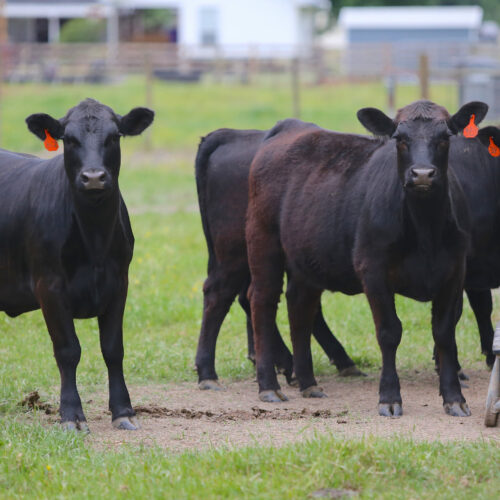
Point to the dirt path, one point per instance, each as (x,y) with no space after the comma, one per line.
(180,417)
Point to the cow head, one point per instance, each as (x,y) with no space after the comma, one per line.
(91,134)
(422,132)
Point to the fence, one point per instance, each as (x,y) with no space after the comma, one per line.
(96,62)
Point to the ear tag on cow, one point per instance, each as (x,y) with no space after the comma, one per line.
(471,130)
(493,149)
(49,142)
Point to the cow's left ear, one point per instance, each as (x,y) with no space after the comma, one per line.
(135,122)
(40,122)
(463,116)
(376,121)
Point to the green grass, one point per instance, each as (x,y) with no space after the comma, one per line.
(54,464)
(185,112)
(163,318)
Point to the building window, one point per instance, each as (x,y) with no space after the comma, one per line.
(209,17)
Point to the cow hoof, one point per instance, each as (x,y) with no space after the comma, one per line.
(457,409)
(75,425)
(390,410)
(272,396)
(351,371)
(462,375)
(126,424)
(292,381)
(490,360)
(210,385)
(313,392)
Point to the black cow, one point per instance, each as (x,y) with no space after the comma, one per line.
(66,242)
(222,168)
(356,214)
(479,174)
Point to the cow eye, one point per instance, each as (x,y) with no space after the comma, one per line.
(71,141)
(112,139)
(402,142)
(443,142)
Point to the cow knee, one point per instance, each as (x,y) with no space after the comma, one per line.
(390,335)
(112,355)
(263,297)
(68,356)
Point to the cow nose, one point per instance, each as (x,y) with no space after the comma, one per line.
(422,176)
(93,179)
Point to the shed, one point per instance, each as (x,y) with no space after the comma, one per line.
(410,24)
(389,40)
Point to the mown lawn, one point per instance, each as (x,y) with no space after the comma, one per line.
(163,319)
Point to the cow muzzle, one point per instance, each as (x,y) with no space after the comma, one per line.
(422,178)
(93,179)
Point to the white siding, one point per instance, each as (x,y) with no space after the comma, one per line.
(243,22)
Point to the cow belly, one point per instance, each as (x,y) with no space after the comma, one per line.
(16,296)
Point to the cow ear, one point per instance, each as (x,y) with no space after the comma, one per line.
(40,122)
(135,122)
(463,116)
(376,121)
(487,135)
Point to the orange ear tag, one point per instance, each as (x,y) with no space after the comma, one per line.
(471,130)
(49,142)
(493,149)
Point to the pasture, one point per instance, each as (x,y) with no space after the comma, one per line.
(162,323)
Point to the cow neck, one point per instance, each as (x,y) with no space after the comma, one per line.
(429,217)
(96,224)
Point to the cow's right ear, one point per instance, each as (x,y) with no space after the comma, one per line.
(376,121)
(40,122)
(490,137)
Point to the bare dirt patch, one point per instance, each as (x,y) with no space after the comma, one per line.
(181,417)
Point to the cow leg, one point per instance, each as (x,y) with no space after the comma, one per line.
(303,304)
(51,296)
(333,348)
(111,339)
(461,374)
(219,289)
(245,305)
(444,319)
(283,357)
(482,305)
(389,331)
(266,262)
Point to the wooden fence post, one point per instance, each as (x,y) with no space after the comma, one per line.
(423,73)
(295,88)
(4,36)
(149,95)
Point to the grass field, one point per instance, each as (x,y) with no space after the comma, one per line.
(163,319)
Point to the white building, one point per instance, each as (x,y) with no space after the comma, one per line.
(262,24)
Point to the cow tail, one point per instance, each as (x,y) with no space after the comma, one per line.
(207,146)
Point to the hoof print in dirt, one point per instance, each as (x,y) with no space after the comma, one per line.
(272,396)
(457,409)
(313,392)
(126,423)
(351,371)
(210,385)
(390,410)
(70,425)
